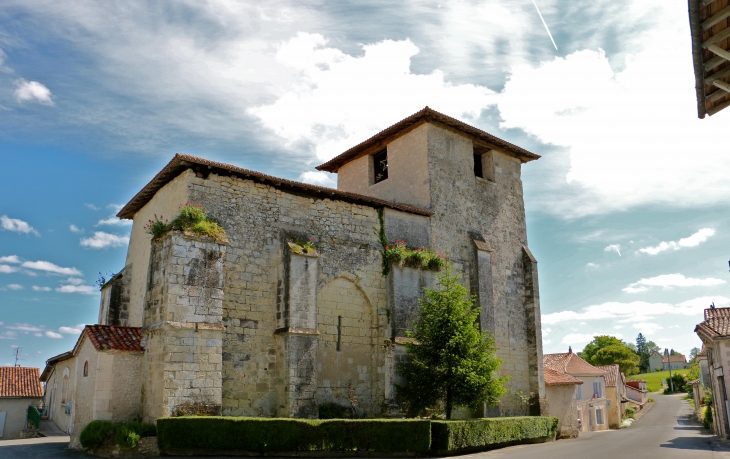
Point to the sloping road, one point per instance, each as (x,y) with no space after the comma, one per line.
(665,432)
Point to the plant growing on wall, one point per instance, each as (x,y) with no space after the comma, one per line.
(400,254)
(451,361)
(301,247)
(192,218)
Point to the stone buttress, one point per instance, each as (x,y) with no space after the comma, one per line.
(183,326)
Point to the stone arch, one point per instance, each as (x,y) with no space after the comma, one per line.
(346,345)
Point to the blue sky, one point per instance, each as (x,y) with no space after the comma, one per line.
(627,209)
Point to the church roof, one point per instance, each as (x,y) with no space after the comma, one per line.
(557,378)
(710,27)
(20,382)
(570,363)
(418,118)
(181,162)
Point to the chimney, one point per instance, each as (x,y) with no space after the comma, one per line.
(570,350)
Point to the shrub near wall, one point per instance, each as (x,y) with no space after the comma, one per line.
(479,434)
(289,435)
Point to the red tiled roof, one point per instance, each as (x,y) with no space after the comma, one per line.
(105,337)
(694,382)
(675,358)
(427,115)
(570,363)
(181,163)
(702,352)
(557,378)
(20,382)
(716,323)
(612,374)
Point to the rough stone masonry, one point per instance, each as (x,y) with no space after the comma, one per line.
(246,326)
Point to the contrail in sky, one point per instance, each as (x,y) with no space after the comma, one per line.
(543,23)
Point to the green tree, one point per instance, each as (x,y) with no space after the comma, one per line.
(451,362)
(693,353)
(643,353)
(598,343)
(626,359)
(651,346)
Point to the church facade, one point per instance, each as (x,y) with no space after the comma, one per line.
(244,325)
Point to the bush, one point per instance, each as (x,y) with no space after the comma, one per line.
(192,218)
(630,413)
(707,418)
(651,400)
(707,397)
(96,433)
(680,383)
(270,435)
(480,434)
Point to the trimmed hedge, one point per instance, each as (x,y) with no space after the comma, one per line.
(95,433)
(270,435)
(481,434)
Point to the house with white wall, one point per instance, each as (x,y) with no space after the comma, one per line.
(20,387)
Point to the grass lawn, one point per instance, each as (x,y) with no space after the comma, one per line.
(654,380)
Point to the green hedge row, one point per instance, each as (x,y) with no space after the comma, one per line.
(265,435)
(377,435)
(480,434)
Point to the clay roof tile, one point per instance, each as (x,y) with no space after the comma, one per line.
(20,382)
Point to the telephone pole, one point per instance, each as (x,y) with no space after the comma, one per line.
(669,363)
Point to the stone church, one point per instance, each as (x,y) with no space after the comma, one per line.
(247,326)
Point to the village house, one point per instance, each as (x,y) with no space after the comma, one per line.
(714,332)
(250,324)
(616,401)
(659,362)
(99,379)
(590,394)
(637,393)
(20,387)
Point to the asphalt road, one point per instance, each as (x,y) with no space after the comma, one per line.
(666,432)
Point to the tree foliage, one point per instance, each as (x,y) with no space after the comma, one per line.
(451,361)
(609,350)
(693,353)
(643,352)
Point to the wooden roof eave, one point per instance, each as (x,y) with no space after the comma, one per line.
(696,30)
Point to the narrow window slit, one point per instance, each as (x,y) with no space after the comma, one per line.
(339,332)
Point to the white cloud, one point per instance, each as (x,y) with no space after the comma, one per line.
(23,327)
(319,178)
(74,281)
(10,259)
(14,287)
(590,265)
(114,221)
(72,330)
(116,207)
(53,335)
(613,248)
(9,335)
(667,281)
(635,311)
(85,289)
(618,327)
(691,241)
(41,289)
(32,91)
(647,328)
(584,99)
(102,240)
(16,225)
(51,268)
(7,269)
(75,229)
(577,339)
(338,99)
(92,206)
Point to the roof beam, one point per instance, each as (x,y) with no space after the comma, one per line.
(718,37)
(722,85)
(717,108)
(718,75)
(719,51)
(719,94)
(715,18)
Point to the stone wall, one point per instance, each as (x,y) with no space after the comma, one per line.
(114,305)
(183,325)
(563,407)
(85,391)
(259,219)
(468,208)
(15,419)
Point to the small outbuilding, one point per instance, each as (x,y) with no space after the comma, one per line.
(616,402)
(20,387)
(560,390)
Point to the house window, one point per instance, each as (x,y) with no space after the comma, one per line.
(64,389)
(597,390)
(86,368)
(478,165)
(599,417)
(380,166)
(580,391)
